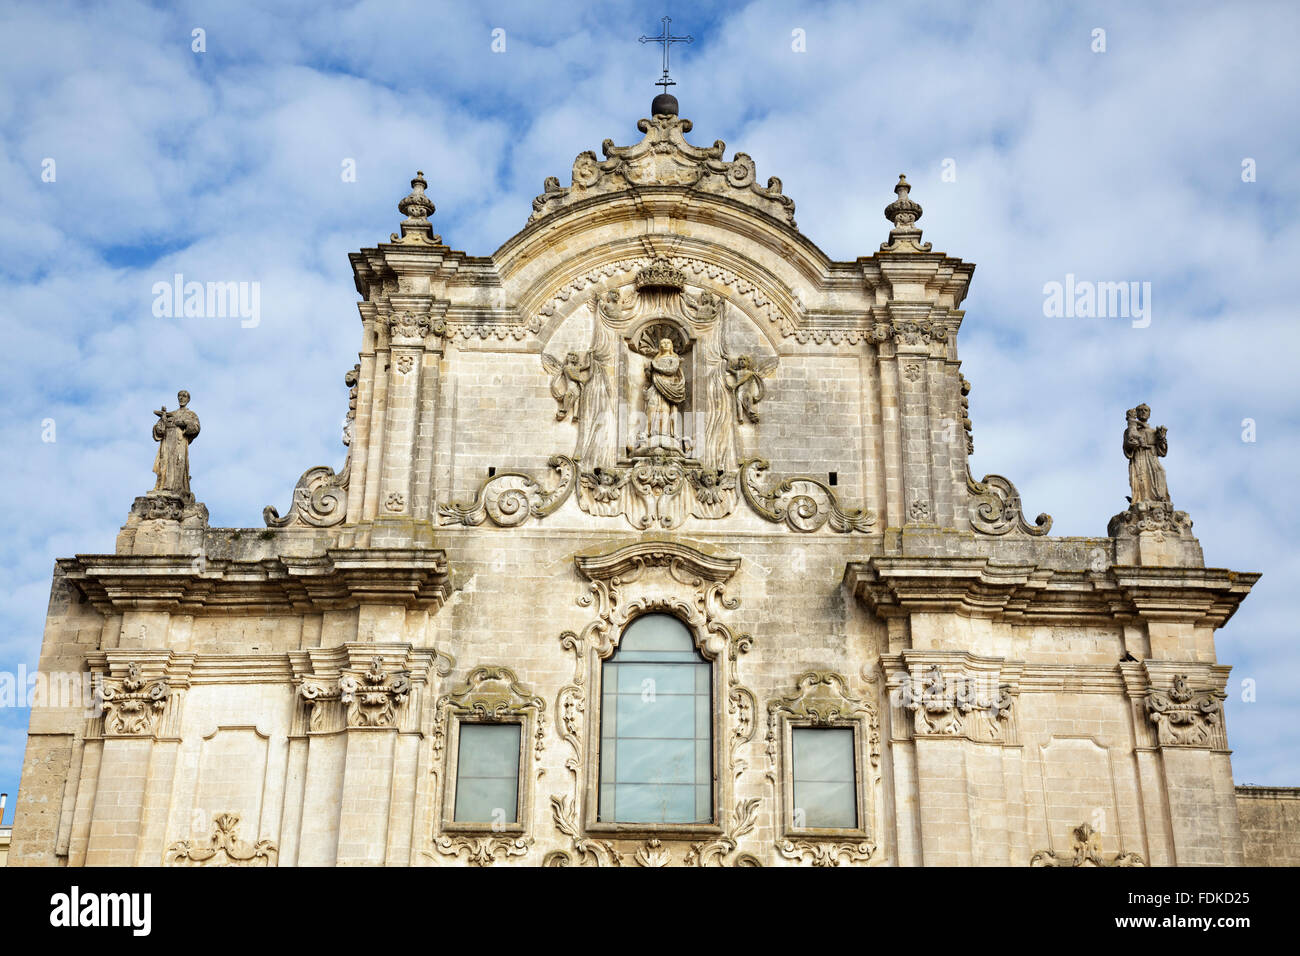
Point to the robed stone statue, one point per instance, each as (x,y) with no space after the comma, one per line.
(665,392)
(174,431)
(1144,446)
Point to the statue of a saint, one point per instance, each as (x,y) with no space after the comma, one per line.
(1144,446)
(174,431)
(665,391)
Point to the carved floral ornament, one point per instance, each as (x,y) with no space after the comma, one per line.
(131,705)
(371,698)
(664,158)
(224,848)
(1085,851)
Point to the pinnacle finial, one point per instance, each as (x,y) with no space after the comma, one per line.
(417,208)
(903,212)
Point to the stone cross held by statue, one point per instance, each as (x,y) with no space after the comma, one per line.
(667,39)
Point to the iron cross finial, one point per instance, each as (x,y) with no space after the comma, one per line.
(666,38)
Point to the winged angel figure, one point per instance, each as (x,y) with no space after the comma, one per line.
(580,385)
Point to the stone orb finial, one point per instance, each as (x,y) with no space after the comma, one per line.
(665,104)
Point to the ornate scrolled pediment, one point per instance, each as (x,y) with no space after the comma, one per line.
(665,158)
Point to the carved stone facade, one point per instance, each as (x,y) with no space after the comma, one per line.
(658,398)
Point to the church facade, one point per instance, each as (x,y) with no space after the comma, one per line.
(655,544)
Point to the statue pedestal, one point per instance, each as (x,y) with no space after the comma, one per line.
(163,522)
(1153,534)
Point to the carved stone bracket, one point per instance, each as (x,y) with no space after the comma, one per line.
(512,497)
(360,686)
(224,848)
(802,502)
(1085,851)
(1187,717)
(995,508)
(1157,517)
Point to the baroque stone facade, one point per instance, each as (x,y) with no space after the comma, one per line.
(659,398)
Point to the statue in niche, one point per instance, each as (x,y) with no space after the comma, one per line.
(1144,446)
(174,431)
(665,392)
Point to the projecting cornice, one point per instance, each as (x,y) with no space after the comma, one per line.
(978,587)
(338,579)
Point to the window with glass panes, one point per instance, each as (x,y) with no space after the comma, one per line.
(825,789)
(487,774)
(656,727)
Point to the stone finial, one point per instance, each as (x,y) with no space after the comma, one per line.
(417,208)
(903,212)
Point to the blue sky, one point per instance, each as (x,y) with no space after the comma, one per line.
(225,165)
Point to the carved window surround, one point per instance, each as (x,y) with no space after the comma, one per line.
(489,695)
(822,699)
(647,577)
(953,695)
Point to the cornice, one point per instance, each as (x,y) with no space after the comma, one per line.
(1027,593)
(337,579)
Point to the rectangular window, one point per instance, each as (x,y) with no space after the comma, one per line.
(487,774)
(825,791)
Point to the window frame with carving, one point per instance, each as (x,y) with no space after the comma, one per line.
(836,708)
(644,829)
(489,695)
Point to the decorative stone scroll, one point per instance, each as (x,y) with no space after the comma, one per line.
(995,508)
(658,493)
(825,853)
(1085,851)
(224,848)
(664,158)
(483,851)
(1186,717)
(132,705)
(805,510)
(512,497)
(320,498)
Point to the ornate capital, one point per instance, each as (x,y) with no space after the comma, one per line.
(1186,717)
(132,705)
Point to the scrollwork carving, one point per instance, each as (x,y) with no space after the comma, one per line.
(224,848)
(995,508)
(804,511)
(1085,851)
(483,851)
(511,498)
(823,853)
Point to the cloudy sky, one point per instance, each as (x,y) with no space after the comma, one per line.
(126,157)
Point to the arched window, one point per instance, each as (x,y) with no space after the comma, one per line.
(656,727)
